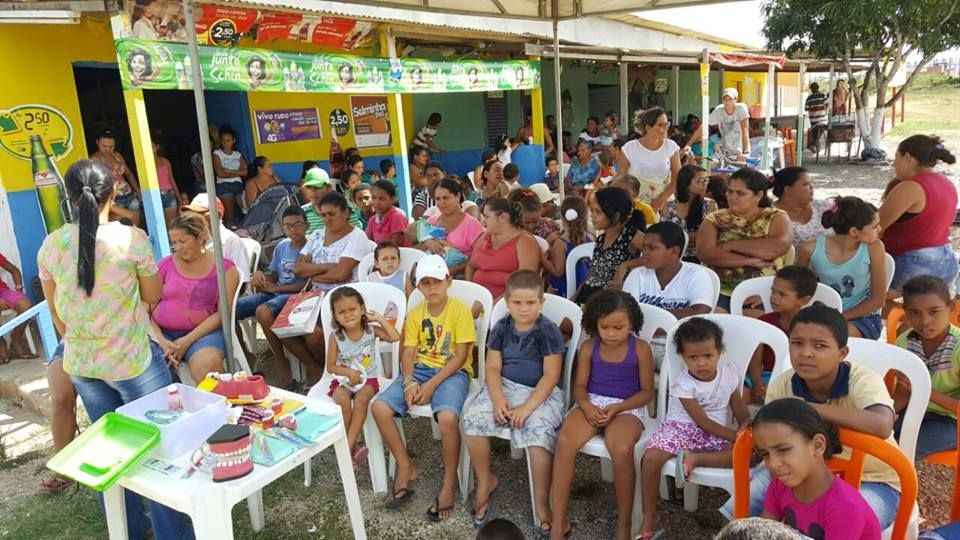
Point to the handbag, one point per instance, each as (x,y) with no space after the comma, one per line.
(299,314)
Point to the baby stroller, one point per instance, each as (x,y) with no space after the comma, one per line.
(264,220)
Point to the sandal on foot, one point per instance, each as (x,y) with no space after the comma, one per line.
(360,457)
(56,484)
(651,535)
(399,498)
(436,516)
(480,521)
(543,531)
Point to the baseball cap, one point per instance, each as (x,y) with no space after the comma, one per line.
(316,178)
(544,194)
(431,266)
(732,92)
(201,204)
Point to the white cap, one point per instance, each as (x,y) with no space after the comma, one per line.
(431,266)
(544,194)
(732,92)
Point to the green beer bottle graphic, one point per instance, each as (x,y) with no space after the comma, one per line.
(51,191)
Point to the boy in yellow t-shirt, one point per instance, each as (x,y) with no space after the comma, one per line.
(435,370)
(845,394)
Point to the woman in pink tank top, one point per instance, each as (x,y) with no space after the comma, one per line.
(503,249)
(917,211)
(170,195)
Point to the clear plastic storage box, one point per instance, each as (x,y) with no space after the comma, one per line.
(205,412)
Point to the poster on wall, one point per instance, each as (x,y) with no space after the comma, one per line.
(286,125)
(327,31)
(371,121)
(157,65)
(20,123)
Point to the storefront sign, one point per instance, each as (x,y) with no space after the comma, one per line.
(18,124)
(371,121)
(287,125)
(165,66)
(163,20)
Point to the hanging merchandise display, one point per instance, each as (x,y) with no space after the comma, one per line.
(157,65)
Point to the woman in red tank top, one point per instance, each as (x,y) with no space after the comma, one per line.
(505,248)
(917,212)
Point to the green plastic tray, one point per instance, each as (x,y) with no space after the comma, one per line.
(105,451)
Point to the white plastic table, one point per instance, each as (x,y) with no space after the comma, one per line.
(209,503)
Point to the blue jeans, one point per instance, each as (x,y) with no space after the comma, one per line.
(168,199)
(449,395)
(938,262)
(882,498)
(869,326)
(100,397)
(130,202)
(938,433)
(947,532)
(213,340)
(247,305)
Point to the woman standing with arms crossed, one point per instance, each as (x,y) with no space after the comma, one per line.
(100,275)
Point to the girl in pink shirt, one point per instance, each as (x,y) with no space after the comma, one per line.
(387,223)
(795,443)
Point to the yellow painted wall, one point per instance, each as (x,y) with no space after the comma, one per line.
(750,85)
(37,62)
(313,148)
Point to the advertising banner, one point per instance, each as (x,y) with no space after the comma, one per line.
(327,31)
(285,125)
(154,65)
(371,121)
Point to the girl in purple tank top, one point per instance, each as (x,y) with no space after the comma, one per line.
(612,385)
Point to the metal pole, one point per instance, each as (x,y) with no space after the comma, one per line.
(676,95)
(624,102)
(767,107)
(206,152)
(558,137)
(389,45)
(800,136)
(830,99)
(705,107)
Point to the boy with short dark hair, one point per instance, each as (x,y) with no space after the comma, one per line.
(551,176)
(271,290)
(436,370)
(388,169)
(424,137)
(845,394)
(793,288)
(511,175)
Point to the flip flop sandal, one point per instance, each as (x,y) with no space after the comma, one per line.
(56,484)
(434,516)
(360,457)
(678,475)
(394,502)
(481,521)
(651,535)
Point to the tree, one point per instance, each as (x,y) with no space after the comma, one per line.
(884,33)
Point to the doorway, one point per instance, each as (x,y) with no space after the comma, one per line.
(100,95)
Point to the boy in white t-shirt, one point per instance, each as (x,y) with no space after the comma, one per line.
(665,281)
(733,119)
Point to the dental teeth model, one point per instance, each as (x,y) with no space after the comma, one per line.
(231,446)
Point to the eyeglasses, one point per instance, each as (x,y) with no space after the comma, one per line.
(297,225)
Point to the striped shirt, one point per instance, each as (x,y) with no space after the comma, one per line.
(315,221)
(816,107)
(425,136)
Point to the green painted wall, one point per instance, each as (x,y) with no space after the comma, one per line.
(464,120)
(690,102)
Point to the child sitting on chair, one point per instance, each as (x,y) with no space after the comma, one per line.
(845,394)
(521,400)
(14,299)
(436,369)
(695,428)
(386,258)
(792,289)
(928,305)
(351,359)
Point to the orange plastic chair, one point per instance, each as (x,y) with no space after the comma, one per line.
(849,470)
(789,146)
(896,315)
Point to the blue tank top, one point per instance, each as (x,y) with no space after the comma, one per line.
(559,284)
(619,380)
(851,278)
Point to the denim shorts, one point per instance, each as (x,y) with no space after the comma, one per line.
(247,305)
(882,498)
(130,202)
(168,199)
(938,433)
(229,188)
(449,395)
(213,339)
(869,326)
(936,261)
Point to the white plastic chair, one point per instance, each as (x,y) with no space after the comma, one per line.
(715,283)
(881,358)
(468,293)
(248,326)
(238,357)
(654,319)
(741,337)
(376,296)
(891,268)
(253,253)
(557,309)
(761,286)
(408,257)
(583,251)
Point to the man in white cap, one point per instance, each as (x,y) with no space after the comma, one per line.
(733,118)
(233,248)
(549,200)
